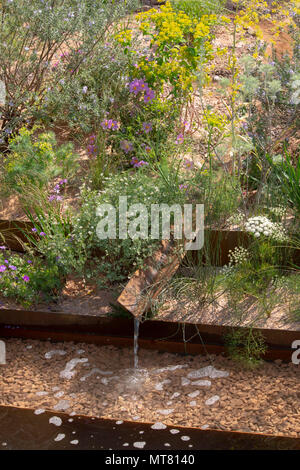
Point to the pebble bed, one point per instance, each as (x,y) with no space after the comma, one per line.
(199,391)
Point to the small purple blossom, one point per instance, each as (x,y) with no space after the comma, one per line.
(126,146)
(137,164)
(136,86)
(34,230)
(2,268)
(188,164)
(183,187)
(106,124)
(147,127)
(141,163)
(179,139)
(12,267)
(149,96)
(2,247)
(26,278)
(42,234)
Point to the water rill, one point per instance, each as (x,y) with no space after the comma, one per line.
(136,342)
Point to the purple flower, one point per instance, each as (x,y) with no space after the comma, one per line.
(180,139)
(29,261)
(186,125)
(149,96)
(2,268)
(34,230)
(188,164)
(135,86)
(134,161)
(115,125)
(106,124)
(6,261)
(11,266)
(2,247)
(137,164)
(141,163)
(92,149)
(183,187)
(42,234)
(26,278)
(126,146)
(147,126)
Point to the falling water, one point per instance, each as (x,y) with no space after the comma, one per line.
(136,342)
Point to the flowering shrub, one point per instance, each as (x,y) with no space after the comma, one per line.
(27,279)
(121,257)
(180,46)
(52,53)
(35,160)
(261,226)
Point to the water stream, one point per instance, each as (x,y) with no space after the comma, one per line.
(136,342)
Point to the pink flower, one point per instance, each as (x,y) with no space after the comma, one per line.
(188,164)
(179,139)
(26,278)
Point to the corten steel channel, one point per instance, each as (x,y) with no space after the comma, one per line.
(154,334)
(21,429)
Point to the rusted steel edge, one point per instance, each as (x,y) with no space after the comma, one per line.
(123,327)
(180,347)
(105,431)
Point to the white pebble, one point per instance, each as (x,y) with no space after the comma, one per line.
(174,431)
(166,412)
(185,381)
(59,437)
(139,445)
(56,420)
(158,426)
(212,400)
(54,352)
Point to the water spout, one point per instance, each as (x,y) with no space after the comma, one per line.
(136,342)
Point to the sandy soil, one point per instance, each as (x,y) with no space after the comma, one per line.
(220,313)
(169,388)
(77,297)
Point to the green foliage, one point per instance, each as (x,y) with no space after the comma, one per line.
(52,236)
(121,257)
(35,160)
(28,279)
(38,40)
(198,8)
(287,176)
(245,346)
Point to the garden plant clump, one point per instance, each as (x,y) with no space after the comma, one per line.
(188,102)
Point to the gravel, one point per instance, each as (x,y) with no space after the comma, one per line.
(262,400)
